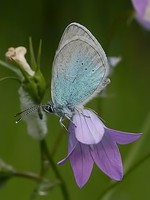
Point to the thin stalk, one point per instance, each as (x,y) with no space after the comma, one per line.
(56,171)
(28,175)
(10,67)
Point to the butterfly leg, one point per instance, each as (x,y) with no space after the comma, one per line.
(80,112)
(70,120)
(62,124)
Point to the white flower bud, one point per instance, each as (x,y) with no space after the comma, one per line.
(18,55)
(36,127)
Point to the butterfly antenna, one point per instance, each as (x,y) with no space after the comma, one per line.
(26,112)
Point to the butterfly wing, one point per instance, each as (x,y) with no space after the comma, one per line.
(77,30)
(80,67)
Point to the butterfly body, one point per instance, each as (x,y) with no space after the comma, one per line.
(61,111)
(80,70)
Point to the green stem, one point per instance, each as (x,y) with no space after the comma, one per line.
(52,164)
(28,175)
(43,160)
(12,78)
(114,184)
(10,67)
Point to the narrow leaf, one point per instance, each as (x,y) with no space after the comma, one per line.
(10,67)
(39,55)
(12,78)
(32,55)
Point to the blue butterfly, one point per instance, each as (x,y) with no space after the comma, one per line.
(79,73)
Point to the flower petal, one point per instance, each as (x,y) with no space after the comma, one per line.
(61,162)
(89,128)
(142,9)
(80,158)
(121,137)
(140,6)
(82,164)
(72,143)
(107,157)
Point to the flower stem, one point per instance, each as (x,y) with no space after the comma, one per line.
(114,184)
(28,175)
(10,67)
(52,164)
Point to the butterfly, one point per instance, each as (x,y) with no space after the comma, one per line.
(79,72)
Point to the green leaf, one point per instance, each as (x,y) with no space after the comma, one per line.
(12,78)
(32,55)
(10,67)
(39,55)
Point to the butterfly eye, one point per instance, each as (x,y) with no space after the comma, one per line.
(48,108)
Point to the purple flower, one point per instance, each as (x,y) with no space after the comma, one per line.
(142,8)
(91,141)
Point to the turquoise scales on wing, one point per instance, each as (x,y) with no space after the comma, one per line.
(79,75)
(79,72)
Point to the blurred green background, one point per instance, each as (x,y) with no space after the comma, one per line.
(125,107)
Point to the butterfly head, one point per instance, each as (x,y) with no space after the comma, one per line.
(48,107)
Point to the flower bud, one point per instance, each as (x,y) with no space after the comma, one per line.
(36,127)
(18,55)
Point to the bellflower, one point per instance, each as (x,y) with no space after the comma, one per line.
(90,141)
(142,8)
